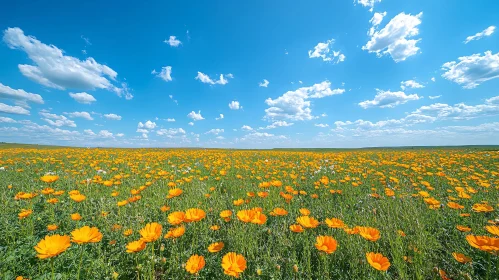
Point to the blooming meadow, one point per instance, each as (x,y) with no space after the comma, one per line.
(70,213)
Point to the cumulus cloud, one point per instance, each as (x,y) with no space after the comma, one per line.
(262,136)
(89,132)
(82,97)
(487,32)
(473,70)
(234,105)
(105,134)
(246,128)
(55,70)
(173,41)
(460,111)
(171,132)
(410,84)
(165,74)
(388,99)
(368,3)
(83,115)
(56,120)
(113,117)
(277,124)
(147,125)
(265,83)
(220,117)
(295,105)
(215,131)
(322,50)
(191,124)
(203,78)
(321,125)
(170,120)
(19,95)
(393,39)
(195,116)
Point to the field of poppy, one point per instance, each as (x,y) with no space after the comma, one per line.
(70,213)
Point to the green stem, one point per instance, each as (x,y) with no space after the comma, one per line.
(137,266)
(152,260)
(81,260)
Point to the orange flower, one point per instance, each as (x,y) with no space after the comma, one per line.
(304,211)
(52,246)
(378,261)
(252,216)
(194,264)
(493,230)
(24,213)
(401,233)
(482,207)
(176,218)
(52,227)
(463,228)
(175,232)
(216,247)
(461,257)
(174,193)
(135,246)
(454,205)
(326,244)
(78,197)
(279,212)
(335,223)
(369,233)
(307,222)
(238,202)
(215,227)
(86,234)
(127,232)
(194,215)
(49,178)
(122,203)
(75,217)
(233,264)
(296,228)
(151,232)
(164,208)
(484,243)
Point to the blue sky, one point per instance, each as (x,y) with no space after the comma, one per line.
(281,73)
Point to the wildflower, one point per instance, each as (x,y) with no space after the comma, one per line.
(378,261)
(24,213)
(194,215)
(52,227)
(493,230)
(86,234)
(484,243)
(233,264)
(296,228)
(461,257)
(369,233)
(49,178)
(216,247)
(135,246)
(326,244)
(195,264)
(307,222)
(75,217)
(52,245)
(176,218)
(151,232)
(335,223)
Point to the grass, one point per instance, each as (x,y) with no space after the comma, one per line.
(213,180)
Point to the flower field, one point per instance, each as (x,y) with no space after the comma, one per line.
(225,214)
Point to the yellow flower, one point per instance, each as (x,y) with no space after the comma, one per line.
(176,218)
(307,222)
(194,215)
(493,230)
(194,264)
(296,228)
(135,246)
(78,197)
(52,246)
(86,234)
(335,223)
(24,213)
(461,257)
(151,232)
(216,247)
(233,264)
(378,261)
(326,244)
(49,178)
(52,227)
(369,233)
(75,217)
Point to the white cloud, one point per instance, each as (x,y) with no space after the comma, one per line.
(7,120)
(82,97)
(472,70)
(173,41)
(84,115)
(321,125)
(234,105)
(147,125)
(191,124)
(54,69)
(170,120)
(220,137)
(493,100)
(487,32)
(215,131)
(368,3)
(265,83)
(434,97)
(165,74)
(56,120)
(277,124)
(294,105)
(207,80)
(246,128)
(113,117)
(322,50)
(262,136)
(377,18)
(459,111)
(388,99)
(220,117)
(195,116)
(19,94)
(393,38)
(105,134)
(89,132)
(410,84)
(433,79)
(120,134)
(171,132)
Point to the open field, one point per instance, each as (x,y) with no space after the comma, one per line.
(286,214)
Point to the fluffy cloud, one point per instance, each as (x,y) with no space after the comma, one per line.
(82,97)
(220,117)
(173,41)
(89,132)
(170,120)
(277,124)
(191,124)
(19,95)
(472,70)
(435,96)
(460,111)
(321,125)
(165,74)
(234,105)
(203,78)
(410,84)
(195,116)
(323,51)
(262,136)
(368,3)
(493,100)
(246,128)
(265,83)
(295,105)
(171,132)
(83,115)
(56,120)
(147,125)
(105,134)
(113,117)
(388,99)
(393,38)
(215,131)
(16,110)
(487,32)
(54,69)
